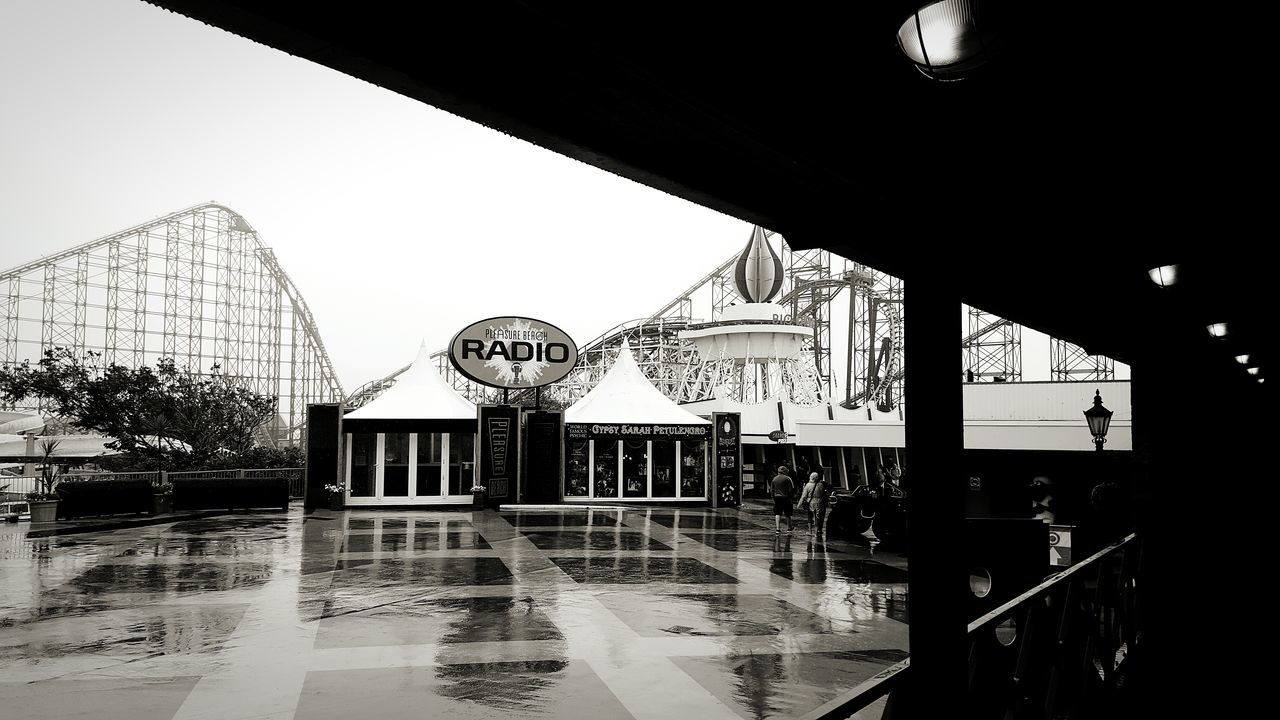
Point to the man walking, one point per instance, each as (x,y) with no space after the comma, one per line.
(783,489)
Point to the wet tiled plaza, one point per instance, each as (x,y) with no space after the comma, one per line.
(644,613)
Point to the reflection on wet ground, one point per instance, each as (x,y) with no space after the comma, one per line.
(690,521)
(642,570)
(83,698)
(247,526)
(574,613)
(420,571)
(393,542)
(818,570)
(551,540)
(163,629)
(760,685)
(735,542)
(480,691)
(164,578)
(431,620)
(580,518)
(692,614)
(198,546)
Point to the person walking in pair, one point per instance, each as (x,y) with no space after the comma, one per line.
(784,488)
(814,500)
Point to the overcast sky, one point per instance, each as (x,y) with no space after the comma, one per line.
(398,222)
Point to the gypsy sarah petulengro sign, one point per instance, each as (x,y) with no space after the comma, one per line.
(513,352)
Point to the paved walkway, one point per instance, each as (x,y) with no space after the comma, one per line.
(653,613)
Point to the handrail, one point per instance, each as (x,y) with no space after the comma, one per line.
(866,692)
(1047,585)
(891,678)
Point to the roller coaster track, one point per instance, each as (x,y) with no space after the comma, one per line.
(982,332)
(197,285)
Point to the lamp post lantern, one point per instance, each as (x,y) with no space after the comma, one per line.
(1099,420)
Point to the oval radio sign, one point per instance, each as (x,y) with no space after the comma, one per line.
(513,352)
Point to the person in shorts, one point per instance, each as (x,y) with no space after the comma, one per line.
(814,500)
(783,489)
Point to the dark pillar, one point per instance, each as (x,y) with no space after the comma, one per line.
(324,452)
(938,579)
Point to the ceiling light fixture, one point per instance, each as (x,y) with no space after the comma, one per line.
(1218,330)
(1164,276)
(947,40)
(1242,359)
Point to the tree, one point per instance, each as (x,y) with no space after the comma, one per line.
(163,417)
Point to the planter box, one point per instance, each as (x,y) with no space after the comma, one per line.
(477,500)
(230,493)
(111,496)
(337,501)
(43,511)
(161,503)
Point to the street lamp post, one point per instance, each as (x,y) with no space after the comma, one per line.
(1099,420)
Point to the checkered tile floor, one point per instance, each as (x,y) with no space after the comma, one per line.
(648,613)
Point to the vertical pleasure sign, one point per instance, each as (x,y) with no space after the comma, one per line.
(497,454)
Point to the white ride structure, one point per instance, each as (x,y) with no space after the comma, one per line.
(754,353)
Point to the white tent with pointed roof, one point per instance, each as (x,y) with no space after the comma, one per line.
(625,395)
(420,393)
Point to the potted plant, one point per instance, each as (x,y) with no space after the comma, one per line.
(161,497)
(43,502)
(478,496)
(337,495)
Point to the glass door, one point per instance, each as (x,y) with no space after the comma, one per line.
(395,465)
(635,468)
(362,465)
(462,450)
(664,468)
(605,459)
(430,452)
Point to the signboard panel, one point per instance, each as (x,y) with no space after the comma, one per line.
(1060,545)
(513,352)
(499,449)
(728,459)
(636,432)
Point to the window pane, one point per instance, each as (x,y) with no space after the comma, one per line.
(428,448)
(364,463)
(396,449)
(576,474)
(635,468)
(462,447)
(461,462)
(395,474)
(428,464)
(664,468)
(606,468)
(693,468)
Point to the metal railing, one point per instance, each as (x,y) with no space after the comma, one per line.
(16,488)
(1056,651)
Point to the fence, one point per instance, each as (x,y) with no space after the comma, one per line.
(16,488)
(1056,651)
